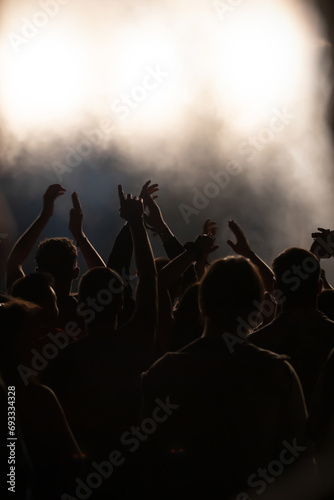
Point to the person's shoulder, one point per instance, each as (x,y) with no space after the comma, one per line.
(195,345)
(156,374)
(250,350)
(41,395)
(265,333)
(161,363)
(168,363)
(187,352)
(276,368)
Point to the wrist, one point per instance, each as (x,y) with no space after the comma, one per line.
(250,255)
(80,238)
(135,220)
(159,229)
(45,215)
(163,230)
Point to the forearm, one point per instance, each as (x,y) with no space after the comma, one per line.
(200,268)
(22,249)
(121,254)
(165,233)
(91,256)
(120,261)
(142,249)
(146,306)
(172,271)
(265,271)
(165,321)
(26,242)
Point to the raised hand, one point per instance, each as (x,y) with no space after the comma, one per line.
(210,227)
(131,207)
(241,247)
(148,191)
(52,192)
(76,218)
(29,238)
(91,256)
(323,244)
(153,217)
(205,243)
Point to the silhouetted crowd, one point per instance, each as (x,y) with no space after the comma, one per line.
(196,375)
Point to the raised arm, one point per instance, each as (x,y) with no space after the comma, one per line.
(91,256)
(169,276)
(172,246)
(242,247)
(121,253)
(145,316)
(153,216)
(26,242)
(194,252)
(210,227)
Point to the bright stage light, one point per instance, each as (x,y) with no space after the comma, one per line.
(136,48)
(44,82)
(260,59)
(237,68)
(147,82)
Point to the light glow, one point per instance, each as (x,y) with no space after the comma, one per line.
(240,67)
(44,82)
(260,60)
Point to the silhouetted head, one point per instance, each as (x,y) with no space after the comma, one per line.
(100,295)
(297,275)
(38,289)
(58,257)
(228,291)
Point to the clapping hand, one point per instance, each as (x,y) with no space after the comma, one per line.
(76,218)
(323,244)
(153,216)
(50,195)
(131,207)
(241,247)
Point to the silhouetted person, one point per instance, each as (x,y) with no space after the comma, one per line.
(56,256)
(97,379)
(231,406)
(51,447)
(300,331)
